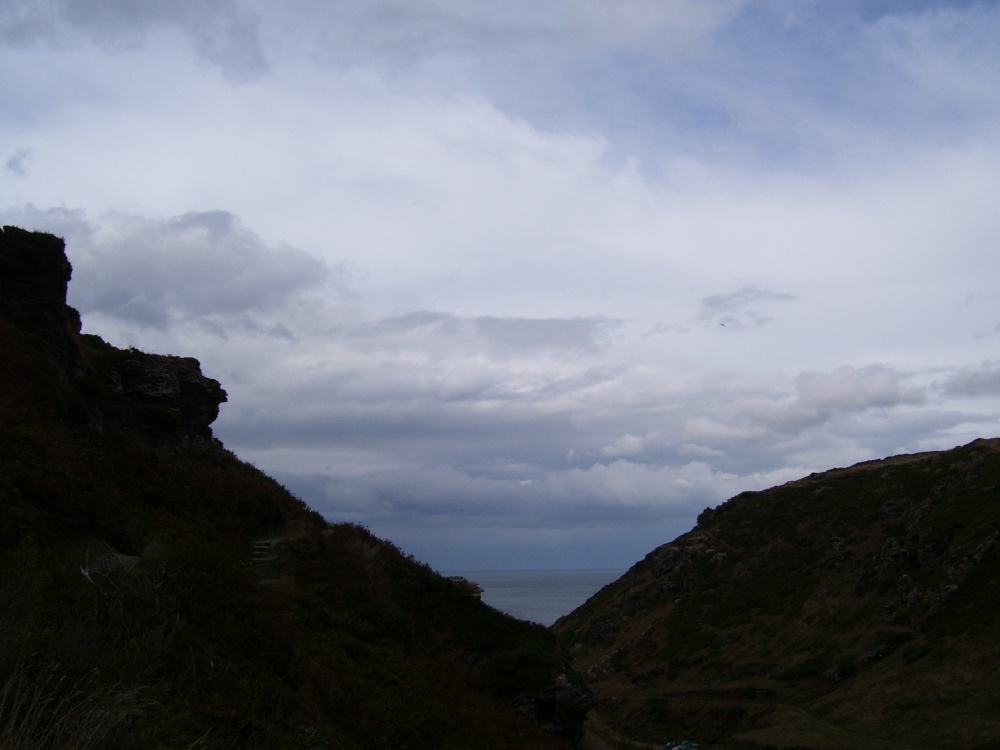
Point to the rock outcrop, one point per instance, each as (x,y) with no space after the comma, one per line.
(164,637)
(172,387)
(162,395)
(34,275)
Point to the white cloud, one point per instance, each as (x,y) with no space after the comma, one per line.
(850,389)
(631,445)
(464,270)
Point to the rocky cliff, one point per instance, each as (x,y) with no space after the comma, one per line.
(134,615)
(34,275)
(163,395)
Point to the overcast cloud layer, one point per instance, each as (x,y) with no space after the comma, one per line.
(530,284)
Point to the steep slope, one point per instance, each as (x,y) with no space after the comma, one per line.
(857,608)
(134,616)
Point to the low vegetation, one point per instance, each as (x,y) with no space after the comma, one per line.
(160,593)
(132,615)
(850,609)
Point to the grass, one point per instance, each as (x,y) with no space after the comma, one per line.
(356,645)
(864,595)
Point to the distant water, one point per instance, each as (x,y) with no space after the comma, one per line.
(541,596)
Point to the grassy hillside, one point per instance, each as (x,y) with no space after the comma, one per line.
(134,616)
(852,609)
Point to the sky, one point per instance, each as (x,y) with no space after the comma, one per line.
(530,284)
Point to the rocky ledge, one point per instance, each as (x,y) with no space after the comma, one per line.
(161,395)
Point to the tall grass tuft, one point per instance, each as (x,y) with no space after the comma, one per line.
(41,708)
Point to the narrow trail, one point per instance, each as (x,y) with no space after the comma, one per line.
(263,558)
(264,553)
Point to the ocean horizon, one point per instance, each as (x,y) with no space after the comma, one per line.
(541,596)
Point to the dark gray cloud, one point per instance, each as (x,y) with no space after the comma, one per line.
(17,161)
(462,522)
(576,499)
(223,32)
(485,420)
(150,272)
(198,265)
(974,381)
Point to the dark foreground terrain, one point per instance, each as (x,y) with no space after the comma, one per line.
(137,611)
(159,593)
(858,608)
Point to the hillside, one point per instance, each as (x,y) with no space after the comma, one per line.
(160,593)
(857,608)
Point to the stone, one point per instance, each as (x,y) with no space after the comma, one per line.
(34,276)
(163,395)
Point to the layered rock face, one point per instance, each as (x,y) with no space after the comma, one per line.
(34,275)
(174,384)
(131,616)
(159,394)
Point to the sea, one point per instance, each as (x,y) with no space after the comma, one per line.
(541,596)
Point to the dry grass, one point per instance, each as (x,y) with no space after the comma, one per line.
(40,708)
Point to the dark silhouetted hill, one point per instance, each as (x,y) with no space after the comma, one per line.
(858,608)
(157,592)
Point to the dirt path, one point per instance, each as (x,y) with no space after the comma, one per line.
(263,557)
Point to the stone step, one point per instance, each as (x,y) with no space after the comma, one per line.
(262,560)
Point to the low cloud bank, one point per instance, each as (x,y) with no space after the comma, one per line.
(426,422)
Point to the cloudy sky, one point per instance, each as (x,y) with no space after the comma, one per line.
(530,284)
